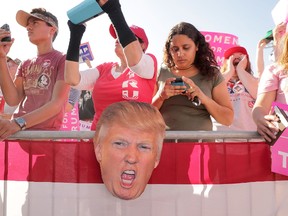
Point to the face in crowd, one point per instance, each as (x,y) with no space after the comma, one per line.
(128,143)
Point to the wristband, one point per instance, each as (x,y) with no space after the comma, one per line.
(76,33)
(124,33)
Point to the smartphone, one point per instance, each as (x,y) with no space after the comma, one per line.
(177,82)
(7,28)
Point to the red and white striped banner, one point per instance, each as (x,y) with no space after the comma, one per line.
(63,178)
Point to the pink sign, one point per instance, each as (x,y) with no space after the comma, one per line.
(219,43)
(280,154)
(279,150)
(280,12)
(71,120)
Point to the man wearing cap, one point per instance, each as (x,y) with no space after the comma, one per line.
(133,78)
(242,87)
(39,86)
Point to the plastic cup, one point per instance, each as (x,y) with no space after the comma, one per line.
(84,11)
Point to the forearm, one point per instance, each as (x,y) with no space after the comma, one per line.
(8,87)
(259,61)
(249,81)
(258,114)
(132,48)
(223,114)
(219,106)
(71,73)
(44,113)
(50,109)
(158,100)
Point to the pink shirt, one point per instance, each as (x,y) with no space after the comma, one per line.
(243,104)
(128,86)
(274,78)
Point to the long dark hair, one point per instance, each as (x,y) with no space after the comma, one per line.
(204,59)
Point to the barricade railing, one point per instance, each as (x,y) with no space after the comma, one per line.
(62,177)
(173,135)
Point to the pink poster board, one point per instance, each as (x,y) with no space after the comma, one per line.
(219,43)
(279,151)
(71,120)
(280,12)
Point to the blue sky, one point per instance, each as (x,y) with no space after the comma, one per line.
(248,20)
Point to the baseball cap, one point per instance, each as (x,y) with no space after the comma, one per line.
(138,31)
(235,49)
(269,35)
(22,17)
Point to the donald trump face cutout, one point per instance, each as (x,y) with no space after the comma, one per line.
(128,143)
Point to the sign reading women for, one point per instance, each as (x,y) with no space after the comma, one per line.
(219,43)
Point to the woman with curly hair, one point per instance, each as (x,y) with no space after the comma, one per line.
(203,93)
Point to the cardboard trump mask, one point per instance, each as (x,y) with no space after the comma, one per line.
(128,143)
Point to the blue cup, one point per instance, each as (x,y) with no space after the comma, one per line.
(83,12)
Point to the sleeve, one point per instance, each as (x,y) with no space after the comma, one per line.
(74,96)
(88,79)
(269,80)
(219,78)
(60,67)
(19,70)
(146,67)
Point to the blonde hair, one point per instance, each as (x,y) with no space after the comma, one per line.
(283,58)
(136,115)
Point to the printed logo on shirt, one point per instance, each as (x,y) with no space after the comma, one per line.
(126,95)
(236,88)
(130,90)
(130,83)
(46,63)
(43,81)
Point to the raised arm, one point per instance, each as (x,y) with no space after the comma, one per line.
(71,71)
(132,47)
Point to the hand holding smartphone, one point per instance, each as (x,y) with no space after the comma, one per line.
(177,82)
(6,28)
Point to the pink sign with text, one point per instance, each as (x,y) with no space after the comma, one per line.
(71,120)
(280,12)
(279,151)
(219,43)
